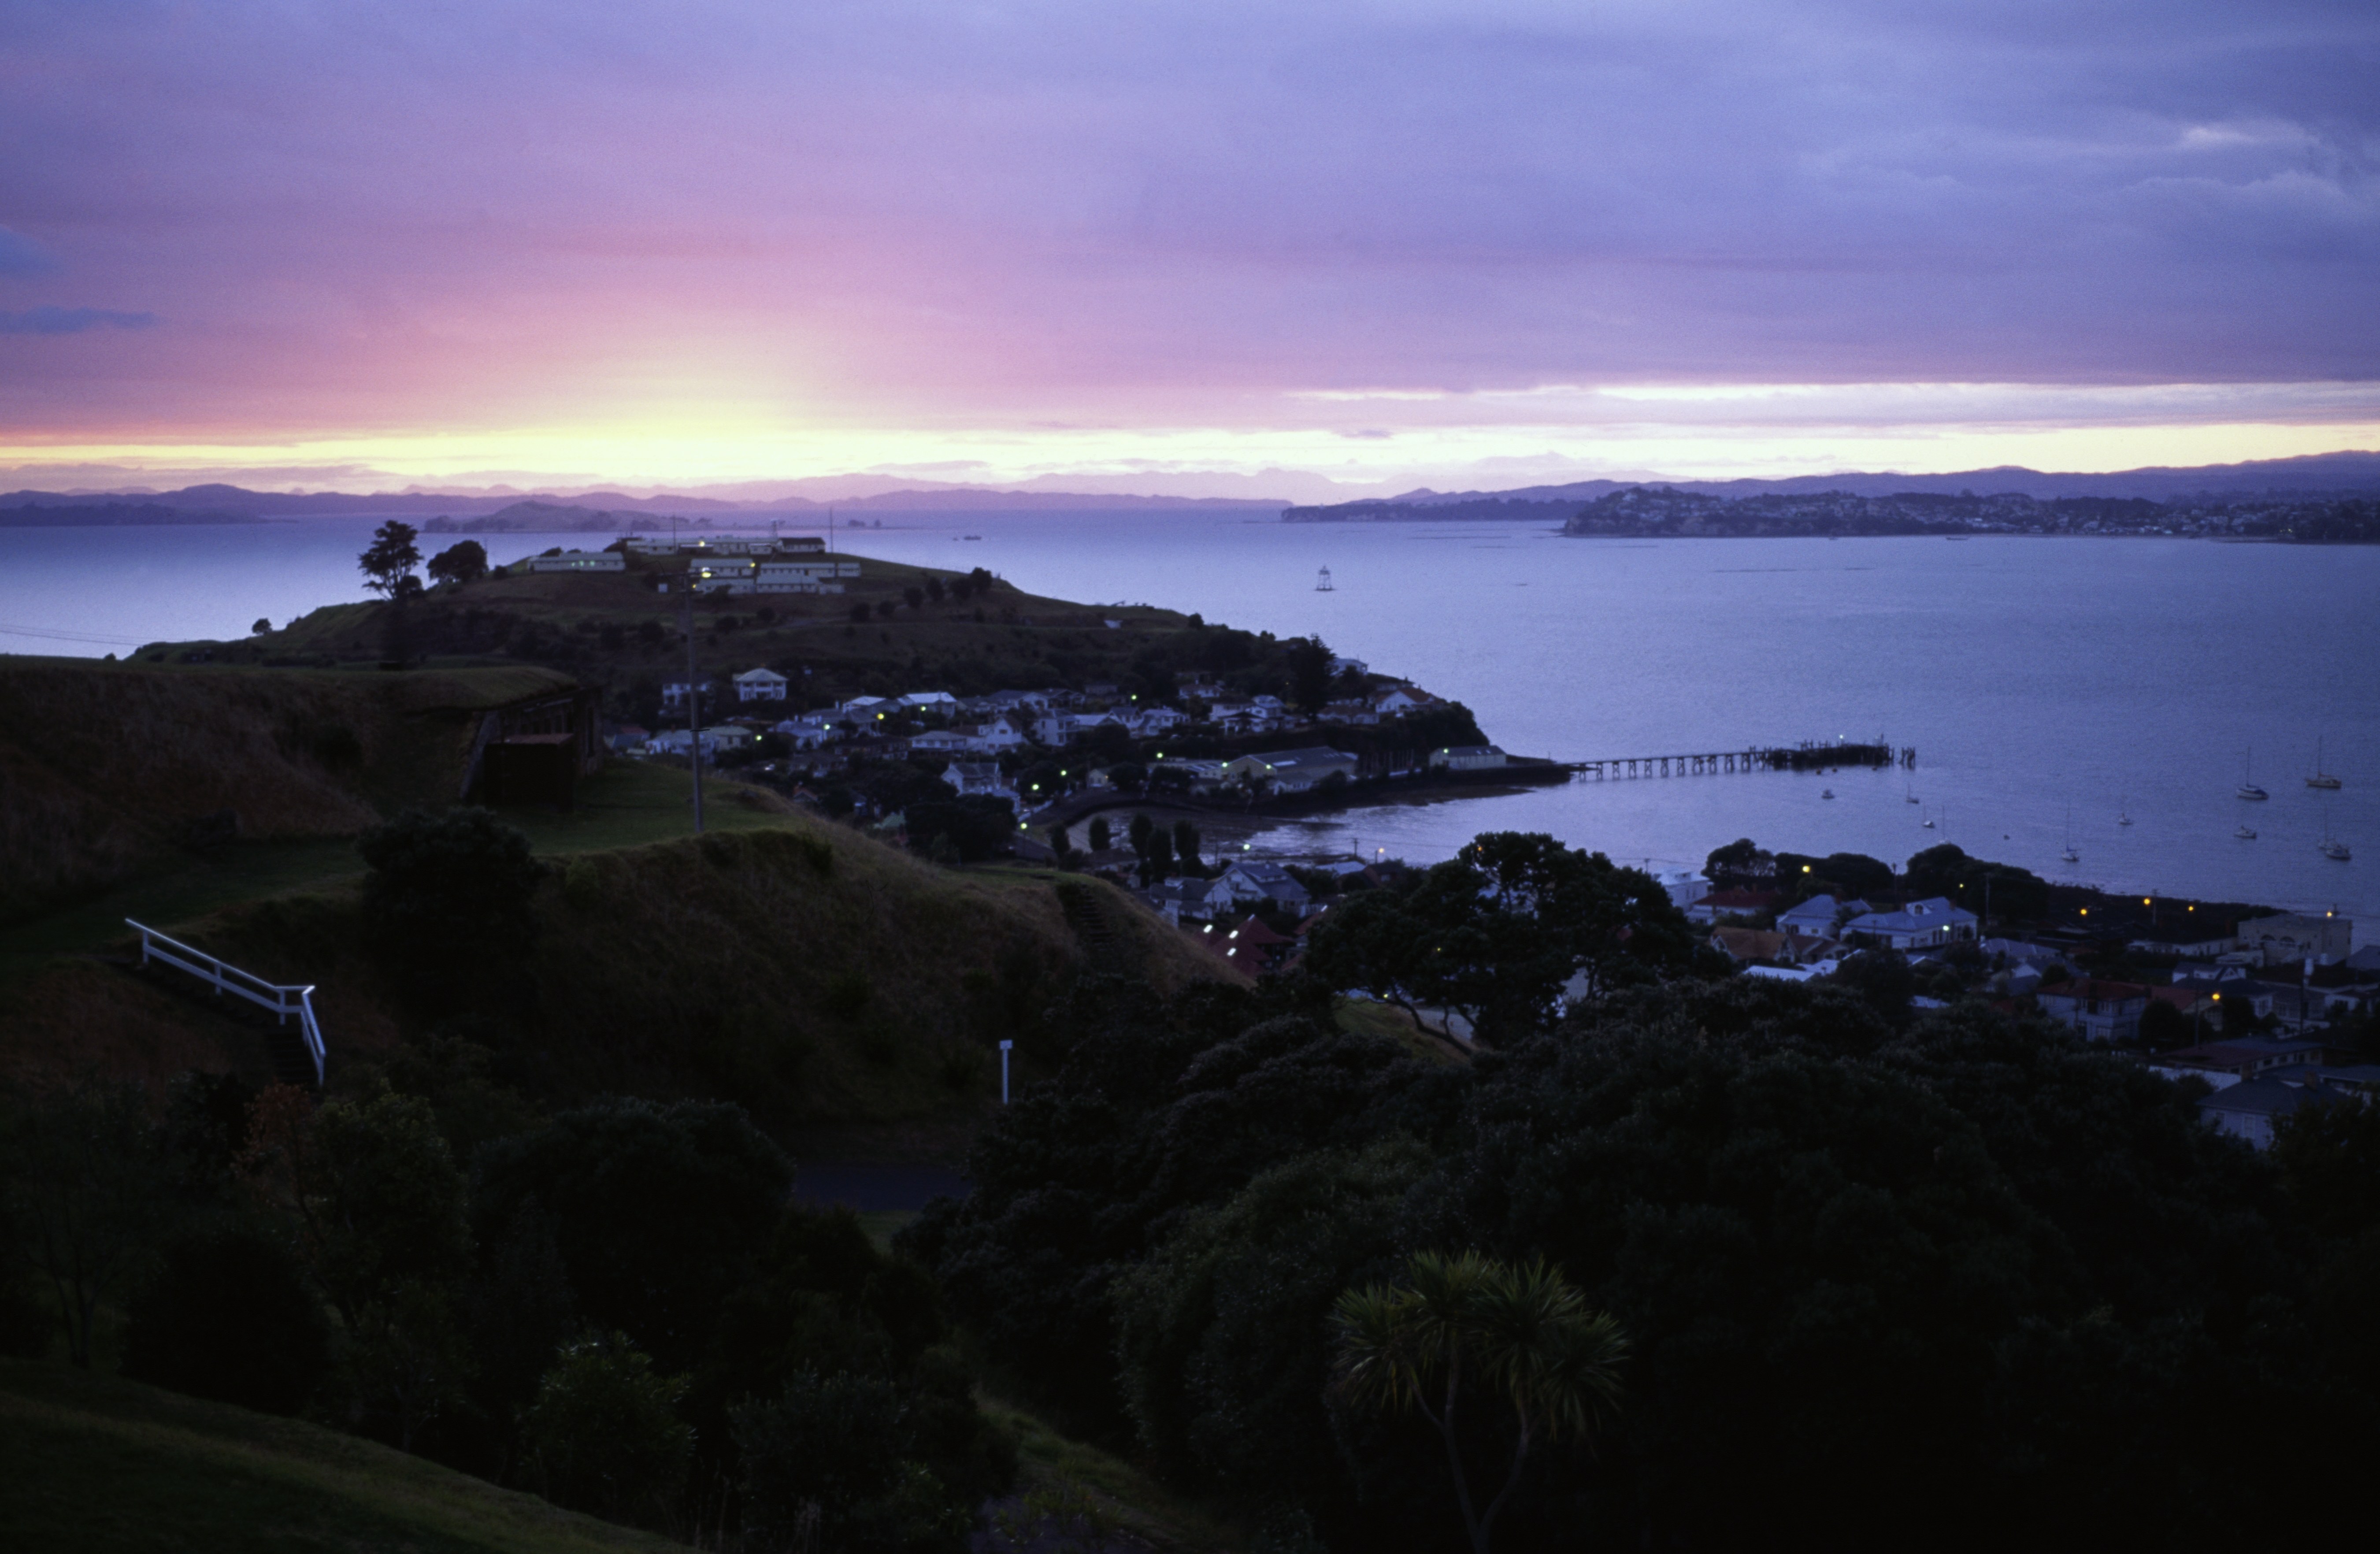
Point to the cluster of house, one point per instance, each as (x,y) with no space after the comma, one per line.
(967,730)
(761,563)
(2296,972)
(1810,937)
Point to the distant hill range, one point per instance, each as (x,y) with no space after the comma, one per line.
(2315,475)
(106,512)
(592,512)
(606,511)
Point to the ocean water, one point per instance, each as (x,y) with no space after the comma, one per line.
(2037,679)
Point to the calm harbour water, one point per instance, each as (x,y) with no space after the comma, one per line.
(2035,677)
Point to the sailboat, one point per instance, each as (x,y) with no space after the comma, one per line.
(1908,792)
(2247,788)
(2332,848)
(1323,585)
(2320,778)
(2070,856)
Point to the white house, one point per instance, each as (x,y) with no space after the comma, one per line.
(722,574)
(1003,733)
(1203,775)
(1149,721)
(944,741)
(805,575)
(2249,1108)
(1248,879)
(2097,1010)
(940,702)
(1467,757)
(1683,885)
(759,684)
(678,741)
(580,561)
(1178,899)
(807,733)
(1817,916)
(968,777)
(2292,936)
(1062,728)
(1398,700)
(1921,925)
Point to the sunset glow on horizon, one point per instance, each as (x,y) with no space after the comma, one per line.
(1213,249)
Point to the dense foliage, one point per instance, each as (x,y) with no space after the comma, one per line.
(1958,1277)
(594,1305)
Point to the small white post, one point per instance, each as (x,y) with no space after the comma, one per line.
(1003,1071)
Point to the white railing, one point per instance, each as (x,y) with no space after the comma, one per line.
(285,1003)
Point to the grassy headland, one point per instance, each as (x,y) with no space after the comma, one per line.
(101,1465)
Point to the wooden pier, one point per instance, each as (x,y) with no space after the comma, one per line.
(1810,757)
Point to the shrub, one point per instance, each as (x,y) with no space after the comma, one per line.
(227,1315)
(606,1434)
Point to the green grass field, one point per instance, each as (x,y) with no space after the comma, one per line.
(99,1465)
(626,805)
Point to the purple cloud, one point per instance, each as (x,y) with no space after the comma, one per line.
(70,321)
(1075,210)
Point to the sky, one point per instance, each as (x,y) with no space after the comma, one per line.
(1277,249)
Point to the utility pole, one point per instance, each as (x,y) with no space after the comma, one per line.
(693,702)
(1003,1071)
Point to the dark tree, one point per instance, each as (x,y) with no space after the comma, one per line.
(1102,834)
(448,900)
(934,590)
(1185,845)
(915,595)
(1309,674)
(227,1315)
(465,562)
(390,558)
(1138,831)
(658,1211)
(262,626)
(1739,860)
(2164,1026)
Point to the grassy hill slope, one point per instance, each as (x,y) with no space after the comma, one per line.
(613,631)
(100,1464)
(113,769)
(806,971)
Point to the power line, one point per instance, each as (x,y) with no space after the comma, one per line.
(67,635)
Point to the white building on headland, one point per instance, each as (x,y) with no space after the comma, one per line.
(580,561)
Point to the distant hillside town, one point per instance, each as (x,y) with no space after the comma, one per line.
(1654,511)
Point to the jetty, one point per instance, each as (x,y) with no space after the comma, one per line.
(1811,756)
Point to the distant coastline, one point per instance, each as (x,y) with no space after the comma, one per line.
(115,514)
(1667,511)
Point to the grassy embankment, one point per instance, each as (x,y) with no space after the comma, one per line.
(101,1465)
(120,771)
(814,974)
(613,631)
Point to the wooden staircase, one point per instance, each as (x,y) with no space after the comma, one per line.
(1095,927)
(283,1016)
